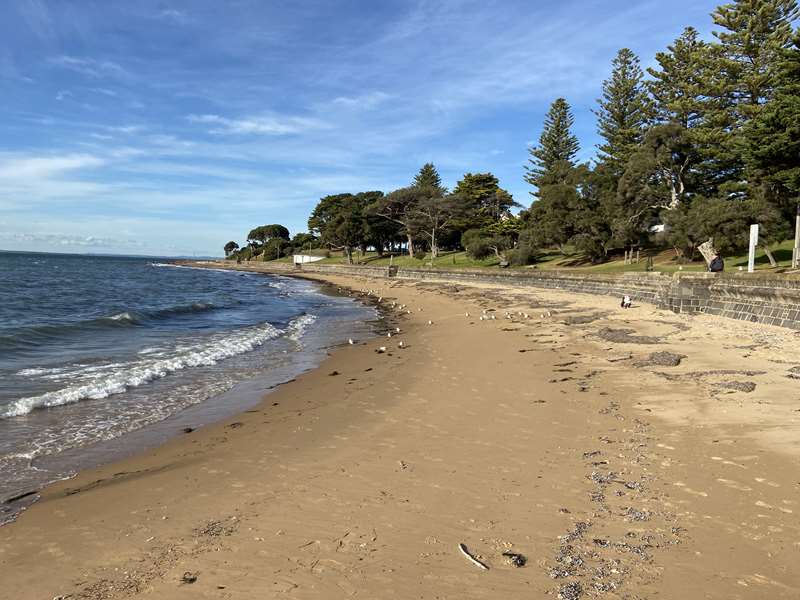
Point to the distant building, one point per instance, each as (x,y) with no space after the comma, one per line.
(300,259)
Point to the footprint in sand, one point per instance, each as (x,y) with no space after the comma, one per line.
(689,490)
(727,462)
(769,483)
(735,485)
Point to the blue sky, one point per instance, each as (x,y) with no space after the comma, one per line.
(168,128)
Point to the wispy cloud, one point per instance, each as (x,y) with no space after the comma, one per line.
(97,69)
(173,14)
(264,125)
(35,167)
(70,241)
(364,101)
(104,92)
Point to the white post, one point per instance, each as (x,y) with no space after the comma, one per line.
(751,257)
(796,250)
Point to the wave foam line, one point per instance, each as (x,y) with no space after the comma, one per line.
(145,370)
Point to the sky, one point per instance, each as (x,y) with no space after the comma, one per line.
(168,128)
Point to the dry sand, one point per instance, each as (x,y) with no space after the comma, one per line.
(558,437)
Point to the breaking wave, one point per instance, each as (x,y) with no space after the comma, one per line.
(116,378)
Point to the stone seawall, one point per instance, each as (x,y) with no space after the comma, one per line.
(772,299)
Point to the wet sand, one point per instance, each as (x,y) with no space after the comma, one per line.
(570,437)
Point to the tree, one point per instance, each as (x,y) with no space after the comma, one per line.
(624,111)
(688,90)
(274,248)
(230,248)
(656,174)
(554,157)
(304,241)
(428,177)
(772,150)
(398,207)
(338,220)
(264,233)
(754,34)
(430,214)
(551,217)
(678,84)
(484,198)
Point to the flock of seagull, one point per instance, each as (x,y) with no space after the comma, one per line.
(485,316)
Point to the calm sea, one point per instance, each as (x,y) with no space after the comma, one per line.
(101,356)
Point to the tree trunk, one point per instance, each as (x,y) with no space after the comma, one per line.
(410,246)
(434,247)
(349,252)
(771,258)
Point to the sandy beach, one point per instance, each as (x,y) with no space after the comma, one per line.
(622,453)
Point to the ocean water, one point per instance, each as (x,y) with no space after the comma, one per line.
(101,356)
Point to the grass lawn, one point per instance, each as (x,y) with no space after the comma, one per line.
(663,261)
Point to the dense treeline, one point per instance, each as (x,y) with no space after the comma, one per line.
(420,219)
(695,148)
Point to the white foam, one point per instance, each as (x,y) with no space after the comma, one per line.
(39,371)
(123,316)
(147,369)
(298,327)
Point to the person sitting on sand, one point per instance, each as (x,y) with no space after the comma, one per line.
(626,301)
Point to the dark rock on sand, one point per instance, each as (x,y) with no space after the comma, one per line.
(661,359)
(737,386)
(571,591)
(626,336)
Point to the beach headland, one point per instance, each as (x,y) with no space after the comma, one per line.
(631,453)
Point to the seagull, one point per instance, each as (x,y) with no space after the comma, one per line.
(397,330)
(466,314)
(381,350)
(401,345)
(482,317)
(350,341)
(389,334)
(430,322)
(493,318)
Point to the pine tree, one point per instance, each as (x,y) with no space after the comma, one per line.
(754,33)
(740,81)
(772,150)
(677,85)
(555,155)
(624,112)
(428,177)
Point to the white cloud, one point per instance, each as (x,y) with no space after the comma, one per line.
(104,91)
(363,102)
(171,13)
(126,129)
(97,69)
(42,167)
(265,125)
(63,94)
(67,240)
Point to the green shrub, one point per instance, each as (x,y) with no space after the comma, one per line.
(525,253)
(420,254)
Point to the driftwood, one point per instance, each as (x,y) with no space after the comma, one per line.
(471,558)
(708,250)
